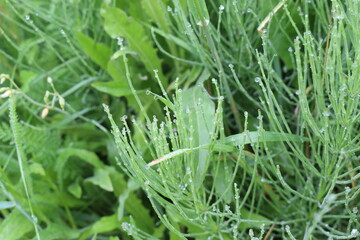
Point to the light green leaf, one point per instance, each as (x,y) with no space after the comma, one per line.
(104,224)
(6,205)
(59,231)
(87,156)
(173,38)
(102,179)
(117,23)
(98,52)
(131,186)
(246,214)
(15,226)
(155,9)
(140,214)
(25,78)
(222,178)
(114,88)
(200,113)
(75,189)
(116,69)
(37,168)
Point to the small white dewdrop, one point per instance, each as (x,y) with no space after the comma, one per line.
(201,23)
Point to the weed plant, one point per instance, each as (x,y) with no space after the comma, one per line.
(231,119)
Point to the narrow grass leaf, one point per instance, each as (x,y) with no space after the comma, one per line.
(6,205)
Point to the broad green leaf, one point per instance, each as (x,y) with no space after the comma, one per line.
(25,78)
(15,226)
(98,52)
(156,10)
(130,203)
(199,111)
(140,213)
(131,186)
(246,214)
(114,88)
(118,24)
(75,188)
(116,69)
(66,199)
(222,178)
(173,38)
(56,231)
(37,168)
(176,218)
(102,179)
(87,156)
(104,224)
(159,232)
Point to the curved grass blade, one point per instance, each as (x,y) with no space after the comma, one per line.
(228,144)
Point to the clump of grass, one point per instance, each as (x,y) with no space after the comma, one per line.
(298,189)
(248,127)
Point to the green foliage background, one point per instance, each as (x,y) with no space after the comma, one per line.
(254,132)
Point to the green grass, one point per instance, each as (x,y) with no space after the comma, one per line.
(223,119)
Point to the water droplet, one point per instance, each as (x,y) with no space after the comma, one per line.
(63,32)
(119,40)
(27,17)
(257,79)
(203,23)
(298,92)
(355,210)
(342,151)
(326,113)
(35,219)
(221,8)
(227,208)
(354,232)
(123,118)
